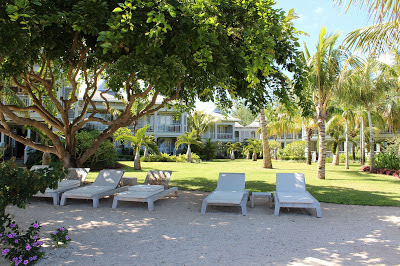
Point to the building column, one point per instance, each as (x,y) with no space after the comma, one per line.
(215,131)
(155,122)
(28,134)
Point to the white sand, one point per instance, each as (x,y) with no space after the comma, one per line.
(177,234)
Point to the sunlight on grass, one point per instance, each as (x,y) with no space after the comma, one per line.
(340,186)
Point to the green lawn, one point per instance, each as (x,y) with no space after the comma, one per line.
(340,186)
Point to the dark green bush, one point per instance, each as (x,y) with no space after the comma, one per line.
(387,160)
(295,149)
(105,156)
(19,184)
(208,151)
(163,157)
(293,158)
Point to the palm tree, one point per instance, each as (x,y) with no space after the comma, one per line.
(367,88)
(137,141)
(189,139)
(244,114)
(335,128)
(247,150)
(199,122)
(322,76)
(150,143)
(232,147)
(255,146)
(382,36)
(274,145)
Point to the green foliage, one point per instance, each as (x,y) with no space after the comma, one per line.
(221,150)
(60,235)
(19,184)
(164,157)
(105,156)
(245,115)
(294,150)
(209,150)
(387,160)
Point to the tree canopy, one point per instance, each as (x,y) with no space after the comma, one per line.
(210,49)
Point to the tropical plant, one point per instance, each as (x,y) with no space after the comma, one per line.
(255,146)
(200,121)
(323,70)
(379,37)
(137,141)
(309,125)
(274,145)
(232,147)
(247,150)
(189,139)
(245,115)
(294,150)
(335,127)
(370,84)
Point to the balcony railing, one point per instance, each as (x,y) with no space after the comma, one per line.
(224,135)
(169,128)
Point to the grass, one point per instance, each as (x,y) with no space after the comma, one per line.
(340,186)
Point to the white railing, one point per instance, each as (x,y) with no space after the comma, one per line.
(225,136)
(169,128)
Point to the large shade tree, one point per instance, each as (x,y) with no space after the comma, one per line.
(179,49)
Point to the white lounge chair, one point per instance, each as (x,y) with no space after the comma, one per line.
(230,191)
(105,185)
(154,188)
(74,179)
(291,192)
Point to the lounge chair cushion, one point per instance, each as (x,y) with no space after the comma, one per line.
(146,188)
(65,185)
(88,191)
(294,197)
(225,197)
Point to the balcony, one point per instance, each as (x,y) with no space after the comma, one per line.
(169,128)
(224,135)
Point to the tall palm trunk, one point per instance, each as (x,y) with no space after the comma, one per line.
(189,154)
(267,162)
(371,142)
(308,146)
(322,146)
(353,150)
(335,160)
(362,142)
(346,150)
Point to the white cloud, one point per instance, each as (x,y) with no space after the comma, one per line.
(319,10)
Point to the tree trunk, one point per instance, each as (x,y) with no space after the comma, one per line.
(146,152)
(371,143)
(189,154)
(353,150)
(267,162)
(136,162)
(248,156)
(70,161)
(308,148)
(232,155)
(322,153)
(254,156)
(346,145)
(335,160)
(362,143)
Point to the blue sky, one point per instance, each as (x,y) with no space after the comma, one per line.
(317,13)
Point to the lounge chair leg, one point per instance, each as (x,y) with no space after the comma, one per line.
(243,204)
(150,205)
(115,202)
(276,213)
(318,210)
(56,197)
(63,200)
(95,202)
(204,207)
(244,209)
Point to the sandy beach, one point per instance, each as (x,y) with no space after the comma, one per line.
(175,233)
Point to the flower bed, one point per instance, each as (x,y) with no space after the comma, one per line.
(382,171)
